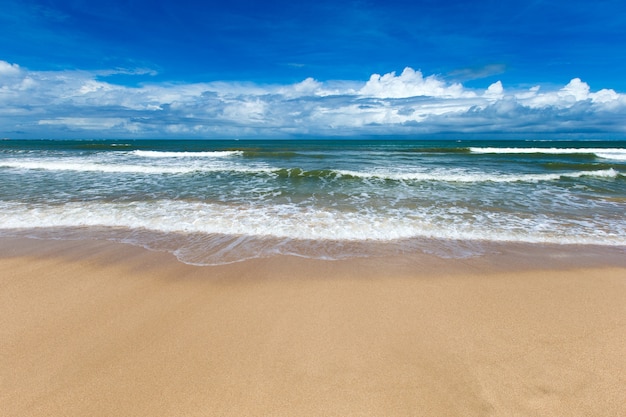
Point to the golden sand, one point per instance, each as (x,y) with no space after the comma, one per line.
(103,329)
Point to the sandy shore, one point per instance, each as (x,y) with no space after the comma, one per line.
(103,329)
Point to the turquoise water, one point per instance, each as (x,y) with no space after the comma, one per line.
(212,202)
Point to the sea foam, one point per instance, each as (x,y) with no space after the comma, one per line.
(292,221)
(606,153)
(436,175)
(182,154)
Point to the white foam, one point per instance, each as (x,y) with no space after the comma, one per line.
(475,177)
(606,153)
(125,168)
(207,154)
(291,221)
(92,167)
(619,155)
(439,175)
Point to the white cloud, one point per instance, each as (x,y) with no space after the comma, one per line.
(308,87)
(7,69)
(495,90)
(605,96)
(61,103)
(576,89)
(411,83)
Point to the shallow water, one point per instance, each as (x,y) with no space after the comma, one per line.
(213,202)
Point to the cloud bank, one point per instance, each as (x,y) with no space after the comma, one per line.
(69,104)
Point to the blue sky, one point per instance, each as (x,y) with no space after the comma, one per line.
(134,68)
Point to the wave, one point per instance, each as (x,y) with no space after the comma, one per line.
(452,150)
(468,177)
(617,156)
(249,153)
(294,173)
(76,166)
(436,176)
(205,154)
(200,221)
(93,167)
(605,153)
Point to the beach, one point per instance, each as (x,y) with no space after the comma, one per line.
(100,329)
(312,209)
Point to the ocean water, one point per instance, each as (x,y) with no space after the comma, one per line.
(214,202)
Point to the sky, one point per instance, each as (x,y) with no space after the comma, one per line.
(285,69)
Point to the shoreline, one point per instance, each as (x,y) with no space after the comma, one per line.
(103,328)
(219,250)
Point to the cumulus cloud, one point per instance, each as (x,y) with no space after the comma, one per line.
(7,69)
(411,83)
(81,103)
(495,90)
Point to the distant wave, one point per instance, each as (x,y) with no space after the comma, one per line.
(206,154)
(437,150)
(92,167)
(123,168)
(605,153)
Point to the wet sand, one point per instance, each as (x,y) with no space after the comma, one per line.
(93,328)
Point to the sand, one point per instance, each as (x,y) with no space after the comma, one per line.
(102,329)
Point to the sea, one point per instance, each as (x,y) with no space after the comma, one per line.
(213,202)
